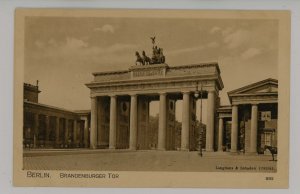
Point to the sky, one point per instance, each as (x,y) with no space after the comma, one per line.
(62,52)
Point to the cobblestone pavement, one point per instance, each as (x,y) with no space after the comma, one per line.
(150,161)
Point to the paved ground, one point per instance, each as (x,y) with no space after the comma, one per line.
(145,161)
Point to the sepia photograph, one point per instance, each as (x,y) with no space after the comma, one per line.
(108,96)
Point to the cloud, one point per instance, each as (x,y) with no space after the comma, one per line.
(215,29)
(112,49)
(237,38)
(52,42)
(251,52)
(227,31)
(185,50)
(213,44)
(78,48)
(39,44)
(74,43)
(105,28)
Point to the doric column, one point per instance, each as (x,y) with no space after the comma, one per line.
(75,132)
(133,122)
(57,131)
(86,132)
(67,131)
(162,121)
(113,122)
(47,121)
(185,122)
(93,131)
(221,127)
(253,132)
(36,129)
(210,121)
(234,128)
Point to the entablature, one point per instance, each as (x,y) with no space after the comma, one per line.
(255,99)
(159,77)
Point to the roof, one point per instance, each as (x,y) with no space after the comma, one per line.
(48,107)
(256,85)
(262,88)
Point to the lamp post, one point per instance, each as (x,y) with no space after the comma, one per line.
(196,94)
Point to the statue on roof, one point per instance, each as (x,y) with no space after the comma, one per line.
(157,55)
(139,59)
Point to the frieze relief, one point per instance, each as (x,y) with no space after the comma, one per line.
(190,85)
(110,77)
(148,72)
(257,99)
(191,71)
(157,71)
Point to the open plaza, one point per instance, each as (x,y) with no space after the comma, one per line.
(122,160)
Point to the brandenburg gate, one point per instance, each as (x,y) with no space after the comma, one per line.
(120,105)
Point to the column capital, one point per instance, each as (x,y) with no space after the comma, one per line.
(254,103)
(113,95)
(133,94)
(185,92)
(211,90)
(163,93)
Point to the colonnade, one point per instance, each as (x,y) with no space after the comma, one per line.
(35,130)
(234,130)
(161,144)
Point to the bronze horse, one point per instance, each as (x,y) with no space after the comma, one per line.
(146,59)
(139,59)
(273,150)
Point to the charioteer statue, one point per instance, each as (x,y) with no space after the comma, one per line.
(157,56)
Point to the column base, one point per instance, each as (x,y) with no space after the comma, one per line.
(93,147)
(234,153)
(184,149)
(161,149)
(209,150)
(251,153)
